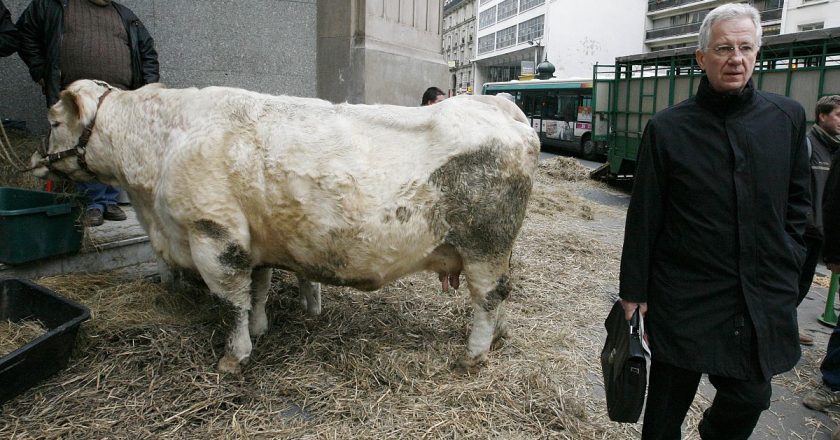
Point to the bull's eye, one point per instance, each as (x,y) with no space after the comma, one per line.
(55,124)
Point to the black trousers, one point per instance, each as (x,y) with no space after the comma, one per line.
(733,414)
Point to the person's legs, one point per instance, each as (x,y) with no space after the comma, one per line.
(101,202)
(94,194)
(735,411)
(112,211)
(670,393)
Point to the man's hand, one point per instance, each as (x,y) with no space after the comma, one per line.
(833,267)
(630,308)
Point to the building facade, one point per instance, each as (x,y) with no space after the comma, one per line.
(806,15)
(572,35)
(459,44)
(676,23)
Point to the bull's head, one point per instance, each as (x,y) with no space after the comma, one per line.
(72,120)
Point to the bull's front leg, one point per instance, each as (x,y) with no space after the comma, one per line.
(489,286)
(225,265)
(309,296)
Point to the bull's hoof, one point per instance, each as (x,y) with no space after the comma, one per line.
(471,365)
(313,311)
(229,364)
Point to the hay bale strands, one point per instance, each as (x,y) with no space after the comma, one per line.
(16,334)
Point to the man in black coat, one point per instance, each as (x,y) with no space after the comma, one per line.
(62,41)
(714,244)
(825,133)
(822,144)
(8,33)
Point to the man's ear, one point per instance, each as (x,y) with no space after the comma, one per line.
(71,103)
(700,56)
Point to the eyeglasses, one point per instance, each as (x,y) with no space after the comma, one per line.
(726,51)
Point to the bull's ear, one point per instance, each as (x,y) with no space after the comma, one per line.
(71,103)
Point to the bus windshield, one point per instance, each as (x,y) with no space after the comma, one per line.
(559,110)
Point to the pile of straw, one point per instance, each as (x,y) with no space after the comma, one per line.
(373,365)
(23,145)
(16,334)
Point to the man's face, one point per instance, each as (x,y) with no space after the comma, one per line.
(730,58)
(830,122)
(438,99)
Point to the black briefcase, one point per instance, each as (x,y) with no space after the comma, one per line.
(624,364)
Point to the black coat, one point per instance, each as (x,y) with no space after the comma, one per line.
(41,27)
(8,33)
(831,213)
(714,235)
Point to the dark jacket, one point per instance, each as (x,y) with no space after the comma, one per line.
(41,27)
(714,235)
(8,33)
(831,214)
(820,162)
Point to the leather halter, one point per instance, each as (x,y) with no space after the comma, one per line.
(81,147)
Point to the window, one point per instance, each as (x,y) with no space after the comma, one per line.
(531,29)
(486,43)
(698,16)
(487,18)
(688,18)
(503,73)
(766,5)
(483,2)
(679,19)
(530,4)
(507,9)
(810,26)
(506,37)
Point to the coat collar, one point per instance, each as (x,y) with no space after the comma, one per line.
(723,103)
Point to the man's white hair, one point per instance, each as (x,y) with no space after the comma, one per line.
(725,12)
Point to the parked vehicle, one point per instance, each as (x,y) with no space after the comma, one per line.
(560,110)
(804,66)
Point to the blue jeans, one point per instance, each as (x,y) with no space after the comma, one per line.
(97,194)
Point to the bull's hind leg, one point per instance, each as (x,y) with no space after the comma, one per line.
(309,296)
(225,266)
(260,283)
(489,286)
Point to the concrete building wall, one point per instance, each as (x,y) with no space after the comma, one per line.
(580,34)
(389,53)
(267,46)
(808,13)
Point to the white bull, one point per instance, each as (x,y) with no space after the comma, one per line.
(231,183)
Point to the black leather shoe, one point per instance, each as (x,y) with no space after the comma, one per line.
(113,213)
(93,217)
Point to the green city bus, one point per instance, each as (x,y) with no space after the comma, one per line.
(560,110)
